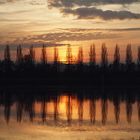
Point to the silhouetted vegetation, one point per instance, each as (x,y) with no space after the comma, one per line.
(103,77)
(27,70)
(104,56)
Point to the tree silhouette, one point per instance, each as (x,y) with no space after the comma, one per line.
(129,54)
(19,57)
(81,73)
(80,55)
(56,55)
(7,55)
(138,59)
(43,55)
(92,55)
(69,59)
(7,60)
(32,54)
(80,61)
(56,60)
(116,56)
(104,56)
(69,55)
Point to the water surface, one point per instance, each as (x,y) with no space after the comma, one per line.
(57,113)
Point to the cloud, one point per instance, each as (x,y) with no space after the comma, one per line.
(86,9)
(72,3)
(98,29)
(67,36)
(92,13)
(32,2)
(8,1)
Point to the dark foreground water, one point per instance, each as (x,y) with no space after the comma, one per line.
(79,113)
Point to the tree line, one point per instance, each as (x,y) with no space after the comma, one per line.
(30,57)
(26,65)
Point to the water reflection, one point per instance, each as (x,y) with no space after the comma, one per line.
(116,103)
(139,110)
(70,105)
(69,109)
(92,112)
(56,102)
(44,110)
(104,106)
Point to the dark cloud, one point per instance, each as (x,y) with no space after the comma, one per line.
(72,3)
(74,34)
(14,45)
(86,9)
(67,36)
(73,30)
(92,13)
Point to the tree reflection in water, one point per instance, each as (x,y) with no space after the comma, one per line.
(69,109)
(80,108)
(104,105)
(92,110)
(24,103)
(55,101)
(116,103)
(44,110)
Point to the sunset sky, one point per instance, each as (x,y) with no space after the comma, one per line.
(59,21)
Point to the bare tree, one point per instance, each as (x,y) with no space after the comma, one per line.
(7,55)
(129,58)
(43,56)
(92,55)
(104,56)
(69,55)
(19,54)
(7,60)
(80,55)
(117,55)
(56,55)
(32,53)
(138,59)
